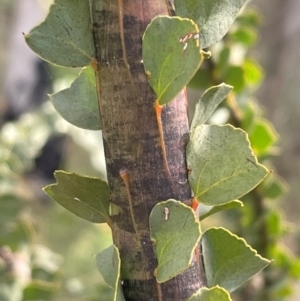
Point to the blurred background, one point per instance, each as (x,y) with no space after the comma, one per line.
(46,253)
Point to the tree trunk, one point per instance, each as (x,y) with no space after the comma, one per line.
(135,166)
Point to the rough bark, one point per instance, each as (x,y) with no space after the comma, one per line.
(135,167)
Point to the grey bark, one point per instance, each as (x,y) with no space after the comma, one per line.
(134,157)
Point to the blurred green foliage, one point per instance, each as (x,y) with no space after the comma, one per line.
(40,241)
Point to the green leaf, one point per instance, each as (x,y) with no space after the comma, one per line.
(205,211)
(250,112)
(109,265)
(245,36)
(294,269)
(208,102)
(228,260)
(274,224)
(175,232)
(254,73)
(274,187)
(171,55)
(262,136)
(40,290)
(283,290)
(85,197)
(222,165)
(283,258)
(235,77)
(65,37)
(250,17)
(211,294)
(213,17)
(79,103)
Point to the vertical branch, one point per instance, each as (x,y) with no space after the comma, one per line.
(131,142)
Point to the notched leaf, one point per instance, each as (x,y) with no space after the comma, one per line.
(208,103)
(85,197)
(274,187)
(171,55)
(79,103)
(205,211)
(65,37)
(211,294)
(175,231)
(109,265)
(263,136)
(228,260)
(223,166)
(213,17)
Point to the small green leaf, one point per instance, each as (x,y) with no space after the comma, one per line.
(65,37)
(171,55)
(79,103)
(222,165)
(85,197)
(254,73)
(245,36)
(235,76)
(262,136)
(250,17)
(283,258)
(274,187)
(205,211)
(274,224)
(208,102)
(250,112)
(213,17)
(109,265)
(294,269)
(175,232)
(228,260)
(211,294)
(40,290)
(283,290)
